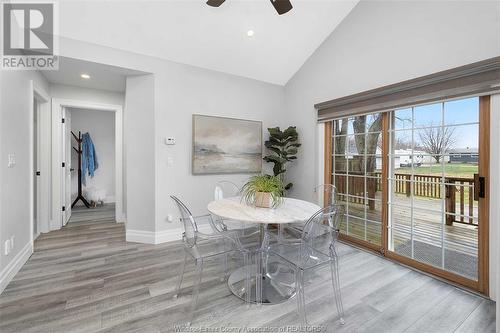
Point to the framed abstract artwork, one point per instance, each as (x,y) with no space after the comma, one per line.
(226,145)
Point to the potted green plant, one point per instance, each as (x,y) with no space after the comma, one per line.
(283,147)
(263,191)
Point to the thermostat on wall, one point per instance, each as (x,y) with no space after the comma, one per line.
(169,141)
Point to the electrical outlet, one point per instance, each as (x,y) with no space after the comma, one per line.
(12,242)
(170,218)
(11,160)
(6,248)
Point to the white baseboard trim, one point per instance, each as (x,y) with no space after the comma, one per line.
(14,266)
(158,237)
(110,199)
(140,236)
(151,237)
(121,218)
(54,225)
(168,235)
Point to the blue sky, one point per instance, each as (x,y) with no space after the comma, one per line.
(462,115)
(458,112)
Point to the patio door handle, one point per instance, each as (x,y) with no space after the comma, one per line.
(479,187)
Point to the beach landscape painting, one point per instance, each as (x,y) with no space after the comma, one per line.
(226,145)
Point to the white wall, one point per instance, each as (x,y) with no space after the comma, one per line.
(16,121)
(203,92)
(139,131)
(381,43)
(101,127)
(85,94)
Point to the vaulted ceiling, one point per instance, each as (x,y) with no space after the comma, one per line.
(190,32)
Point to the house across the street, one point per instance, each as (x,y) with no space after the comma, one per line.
(464,155)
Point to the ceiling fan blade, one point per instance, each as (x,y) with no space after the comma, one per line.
(215,3)
(282,6)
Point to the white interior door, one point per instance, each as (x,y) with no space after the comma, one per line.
(67,144)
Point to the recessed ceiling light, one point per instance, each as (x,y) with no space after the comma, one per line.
(85,76)
(250,33)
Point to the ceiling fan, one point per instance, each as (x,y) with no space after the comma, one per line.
(281,6)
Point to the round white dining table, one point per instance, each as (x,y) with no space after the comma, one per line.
(290,211)
(275,288)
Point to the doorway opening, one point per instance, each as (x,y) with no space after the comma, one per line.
(67,116)
(90,149)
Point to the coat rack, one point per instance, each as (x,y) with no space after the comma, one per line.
(79,152)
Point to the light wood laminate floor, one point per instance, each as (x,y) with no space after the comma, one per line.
(86,278)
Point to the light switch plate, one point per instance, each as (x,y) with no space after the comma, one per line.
(170,141)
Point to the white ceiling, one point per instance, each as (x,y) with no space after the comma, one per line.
(102,77)
(190,32)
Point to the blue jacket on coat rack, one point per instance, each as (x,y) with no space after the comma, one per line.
(89,157)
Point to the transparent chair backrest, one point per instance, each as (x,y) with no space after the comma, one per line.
(188,222)
(225,189)
(326,219)
(325,194)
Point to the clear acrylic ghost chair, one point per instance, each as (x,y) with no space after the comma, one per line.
(227,189)
(305,255)
(323,195)
(201,247)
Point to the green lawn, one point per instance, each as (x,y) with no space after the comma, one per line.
(456,170)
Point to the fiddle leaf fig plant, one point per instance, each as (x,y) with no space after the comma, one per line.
(283,147)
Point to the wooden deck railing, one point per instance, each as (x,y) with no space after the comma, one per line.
(458,191)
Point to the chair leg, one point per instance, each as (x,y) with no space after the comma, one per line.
(226,268)
(246,265)
(334,267)
(258,277)
(196,289)
(301,300)
(179,282)
(225,274)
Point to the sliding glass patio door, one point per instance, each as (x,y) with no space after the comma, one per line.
(357,165)
(414,185)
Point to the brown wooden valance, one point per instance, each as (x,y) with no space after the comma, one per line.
(476,79)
